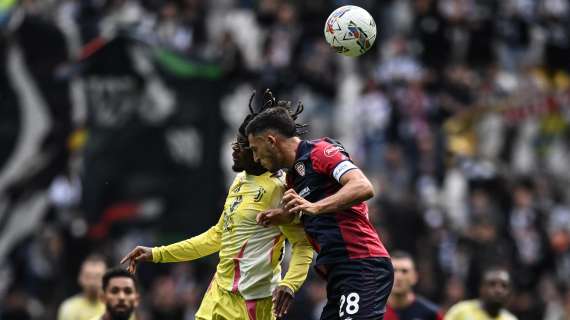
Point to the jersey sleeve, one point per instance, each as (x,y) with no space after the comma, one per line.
(191,249)
(331,159)
(301,256)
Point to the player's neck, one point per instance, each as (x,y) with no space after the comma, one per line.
(400,301)
(91,299)
(291,145)
(491,310)
(256,171)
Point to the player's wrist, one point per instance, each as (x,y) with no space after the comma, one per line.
(287,289)
(296,218)
(314,210)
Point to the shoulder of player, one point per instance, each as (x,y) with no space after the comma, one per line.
(426,304)
(325,147)
(507,315)
(239,176)
(467,305)
(78,298)
(270,181)
(73,302)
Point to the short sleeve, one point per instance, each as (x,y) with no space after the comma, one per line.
(331,159)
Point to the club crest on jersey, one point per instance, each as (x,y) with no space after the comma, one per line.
(300,168)
(332,150)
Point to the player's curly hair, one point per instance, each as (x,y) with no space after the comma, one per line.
(283,113)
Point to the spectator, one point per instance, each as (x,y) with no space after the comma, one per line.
(403,303)
(494,292)
(526,227)
(86,304)
(120,295)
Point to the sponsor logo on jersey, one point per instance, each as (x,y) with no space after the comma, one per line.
(305,192)
(332,150)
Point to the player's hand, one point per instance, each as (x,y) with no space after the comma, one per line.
(138,254)
(282,300)
(273,217)
(294,203)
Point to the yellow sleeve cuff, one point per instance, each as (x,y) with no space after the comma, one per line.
(288,285)
(155,255)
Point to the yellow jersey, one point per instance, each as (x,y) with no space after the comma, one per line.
(472,310)
(79,308)
(250,254)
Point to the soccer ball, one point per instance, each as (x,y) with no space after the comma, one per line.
(350,30)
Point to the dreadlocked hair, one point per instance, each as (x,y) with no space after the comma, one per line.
(285,109)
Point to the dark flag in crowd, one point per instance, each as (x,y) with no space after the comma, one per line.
(154,134)
(152,129)
(35,121)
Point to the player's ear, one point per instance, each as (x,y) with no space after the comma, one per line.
(137,299)
(271,139)
(250,138)
(414,277)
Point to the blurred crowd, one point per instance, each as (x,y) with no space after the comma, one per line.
(459,114)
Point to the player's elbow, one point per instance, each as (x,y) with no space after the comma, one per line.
(360,186)
(367,190)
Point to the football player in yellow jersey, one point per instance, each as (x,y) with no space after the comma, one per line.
(247,283)
(494,293)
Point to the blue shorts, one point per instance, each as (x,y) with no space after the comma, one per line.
(358,289)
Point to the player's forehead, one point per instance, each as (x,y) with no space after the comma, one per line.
(403,263)
(121,283)
(497,276)
(255,140)
(93,267)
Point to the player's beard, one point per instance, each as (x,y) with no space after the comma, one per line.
(253,168)
(237,168)
(123,314)
(246,163)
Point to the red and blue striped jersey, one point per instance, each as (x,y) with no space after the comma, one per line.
(338,236)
